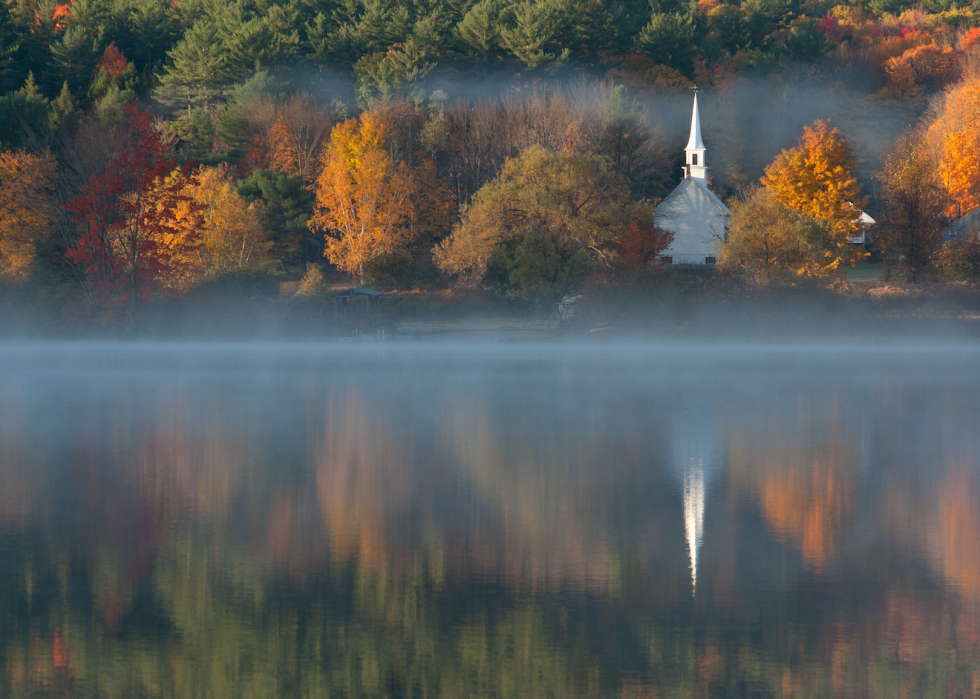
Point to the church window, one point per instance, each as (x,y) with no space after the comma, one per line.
(694,158)
(709,260)
(667,259)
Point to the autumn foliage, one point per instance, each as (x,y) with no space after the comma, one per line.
(138,229)
(954,141)
(113,61)
(367,204)
(26,209)
(920,68)
(577,200)
(770,243)
(641,245)
(910,231)
(295,139)
(816,179)
(231,232)
(970,38)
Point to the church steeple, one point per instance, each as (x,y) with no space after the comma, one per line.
(694,151)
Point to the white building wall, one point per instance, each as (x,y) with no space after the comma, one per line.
(697,223)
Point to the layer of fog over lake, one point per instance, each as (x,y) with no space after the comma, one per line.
(489,520)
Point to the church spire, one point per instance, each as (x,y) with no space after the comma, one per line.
(694,151)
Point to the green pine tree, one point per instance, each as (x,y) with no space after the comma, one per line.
(9,46)
(152,29)
(531,31)
(480,27)
(76,54)
(668,39)
(199,74)
(270,40)
(24,117)
(62,109)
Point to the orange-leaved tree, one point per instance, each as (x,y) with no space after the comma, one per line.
(296,137)
(919,68)
(815,179)
(954,142)
(172,226)
(641,245)
(366,204)
(26,209)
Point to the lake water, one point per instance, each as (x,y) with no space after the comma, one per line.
(500,520)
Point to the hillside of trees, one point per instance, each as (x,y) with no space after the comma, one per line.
(151,149)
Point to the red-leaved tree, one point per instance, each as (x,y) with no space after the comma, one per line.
(642,245)
(137,225)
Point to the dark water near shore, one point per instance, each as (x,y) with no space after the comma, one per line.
(413,520)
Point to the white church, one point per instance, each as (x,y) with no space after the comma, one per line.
(695,216)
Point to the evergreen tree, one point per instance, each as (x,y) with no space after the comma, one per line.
(62,109)
(531,29)
(264,41)
(75,55)
(36,26)
(9,46)
(152,29)
(287,204)
(480,27)
(77,50)
(764,17)
(592,27)
(199,73)
(668,39)
(24,116)
(433,26)
(397,72)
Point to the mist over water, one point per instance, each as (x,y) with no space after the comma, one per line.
(509,519)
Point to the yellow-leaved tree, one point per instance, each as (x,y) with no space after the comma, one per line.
(815,179)
(770,242)
(175,231)
(232,234)
(26,209)
(367,205)
(546,222)
(954,142)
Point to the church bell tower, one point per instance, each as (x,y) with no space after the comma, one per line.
(694,161)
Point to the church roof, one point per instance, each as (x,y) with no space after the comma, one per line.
(686,184)
(969,221)
(695,142)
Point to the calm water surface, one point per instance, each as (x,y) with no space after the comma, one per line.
(412,520)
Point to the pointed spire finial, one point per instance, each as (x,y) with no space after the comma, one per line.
(695,142)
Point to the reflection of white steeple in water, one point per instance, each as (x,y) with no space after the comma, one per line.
(696,453)
(694,516)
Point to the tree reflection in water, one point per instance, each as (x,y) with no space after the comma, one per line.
(517,526)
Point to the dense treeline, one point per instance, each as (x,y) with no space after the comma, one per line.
(192,54)
(156,147)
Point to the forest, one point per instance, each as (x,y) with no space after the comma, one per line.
(156,151)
